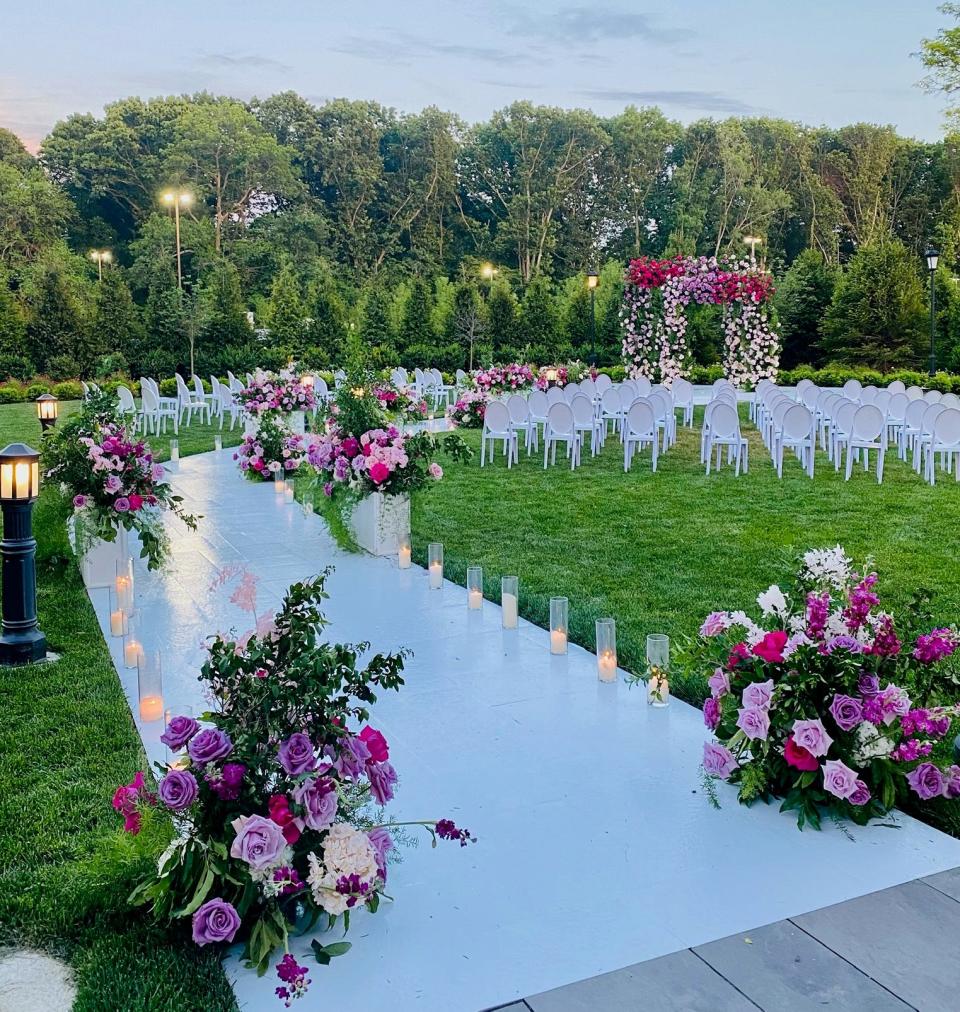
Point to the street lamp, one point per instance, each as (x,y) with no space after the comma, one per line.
(21,641)
(488,272)
(177,199)
(933,258)
(593,279)
(102,256)
(753,241)
(47,407)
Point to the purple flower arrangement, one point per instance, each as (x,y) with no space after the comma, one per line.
(821,703)
(276,393)
(277,795)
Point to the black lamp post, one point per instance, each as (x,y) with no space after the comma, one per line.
(593,280)
(933,258)
(47,408)
(21,641)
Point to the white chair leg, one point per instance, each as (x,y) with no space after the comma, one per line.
(849,460)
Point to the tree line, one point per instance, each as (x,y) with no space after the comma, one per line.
(435,240)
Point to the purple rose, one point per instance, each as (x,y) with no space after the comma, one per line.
(208,746)
(711,712)
(894,703)
(718,761)
(758,694)
(319,799)
(296,754)
(754,722)
(382,843)
(79,501)
(812,735)
(157,472)
(383,779)
(112,484)
(179,731)
(719,683)
(259,841)
(952,788)
(846,711)
(861,795)
(839,779)
(226,782)
(927,781)
(178,790)
(843,642)
(122,505)
(868,686)
(353,758)
(216,921)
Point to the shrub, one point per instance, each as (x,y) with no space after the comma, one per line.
(431,356)
(705,374)
(168,387)
(68,391)
(15,367)
(12,395)
(36,389)
(108,365)
(63,367)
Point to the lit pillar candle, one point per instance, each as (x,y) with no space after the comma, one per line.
(606,650)
(174,451)
(403,551)
(218,442)
(607,666)
(508,601)
(118,625)
(558,625)
(131,652)
(288,493)
(435,565)
(150,686)
(151,709)
(474,588)
(279,486)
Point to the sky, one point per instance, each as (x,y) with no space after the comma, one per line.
(811,61)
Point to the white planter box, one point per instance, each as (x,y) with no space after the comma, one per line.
(98,564)
(378,521)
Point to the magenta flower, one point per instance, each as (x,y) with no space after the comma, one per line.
(711,712)
(935,646)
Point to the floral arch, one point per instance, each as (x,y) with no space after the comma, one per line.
(657,296)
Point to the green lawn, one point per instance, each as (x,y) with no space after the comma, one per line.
(66,741)
(659,551)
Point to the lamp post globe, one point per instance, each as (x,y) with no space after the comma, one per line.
(21,640)
(932,256)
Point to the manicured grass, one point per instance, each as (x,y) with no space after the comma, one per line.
(659,551)
(67,739)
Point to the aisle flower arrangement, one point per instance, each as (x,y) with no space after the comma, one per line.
(278,795)
(498,379)
(468,410)
(279,393)
(552,376)
(827,702)
(273,451)
(111,480)
(402,403)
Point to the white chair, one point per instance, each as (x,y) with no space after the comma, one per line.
(897,421)
(208,399)
(868,394)
(538,403)
(611,411)
(841,426)
(188,402)
(663,409)
(156,410)
(560,429)
(914,393)
(521,422)
(683,399)
(639,428)
(933,397)
(950,401)
(897,387)
(463,380)
(852,389)
(497,425)
(912,425)
(926,432)
(603,382)
(798,431)
(555,396)
(128,406)
(725,431)
(228,405)
(642,386)
(944,439)
(570,391)
(866,434)
(585,421)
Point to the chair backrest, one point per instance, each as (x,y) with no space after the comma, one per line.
(396,378)
(642,386)
(727,394)
(538,402)
(641,417)
(914,393)
(215,386)
(560,418)
(852,389)
(230,378)
(868,422)
(496,417)
(555,395)
(897,387)
(151,402)
(582,409)
(628,389)
(661,404)
(868,395)
(570,391)
(843,416)
(933,397)
(662,388)
(930,416)
(882,399)
(610,401)
(946,427)
(810,396)
(182,388)
(588,387)
(722,382)
(518,408)
(418,376)
(682,391)
(897,406)
(437,377)
(127,403)
(225,395)
(724,421)
(950,401)
(916,409)
(797,422)
(320,387)
(603,382)
(461,377)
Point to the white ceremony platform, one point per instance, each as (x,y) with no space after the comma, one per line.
(596,845)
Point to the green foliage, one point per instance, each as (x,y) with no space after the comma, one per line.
(15,367)
(468,322)
(12,395)
(117,322)
(802,300)
(68,391)
(327,327)
(416,323)
(877,313)
(222,313)
(57,327)
(285,312)
(502,309)
(539,322)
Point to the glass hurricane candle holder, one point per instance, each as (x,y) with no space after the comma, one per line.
(150,686)
(288,492)
(174,451)
(435,565)
(218,442)
(118,617)
(658,666)
(558,625)
(123,584)
(509,597)
(404,549)
(132,648)
(474,588)
(607,649)
(279,486)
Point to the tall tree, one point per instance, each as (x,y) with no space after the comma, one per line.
(117,322)
(327,327)
(501,319)
(802,300)
(539,322)
(468,319)
(416,323)
(285,312)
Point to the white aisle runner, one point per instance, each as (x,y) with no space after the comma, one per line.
(597,847)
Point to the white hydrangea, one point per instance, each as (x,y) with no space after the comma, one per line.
(754,632)
(347,851)
(323,886)
(828,567)
(870,744)
(773,602)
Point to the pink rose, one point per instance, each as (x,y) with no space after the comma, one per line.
(376,743)
(379,472)
(770,648)
(754,722)
(839,779)
(812,735)
(758,694)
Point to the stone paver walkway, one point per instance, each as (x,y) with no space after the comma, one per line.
(597,849)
